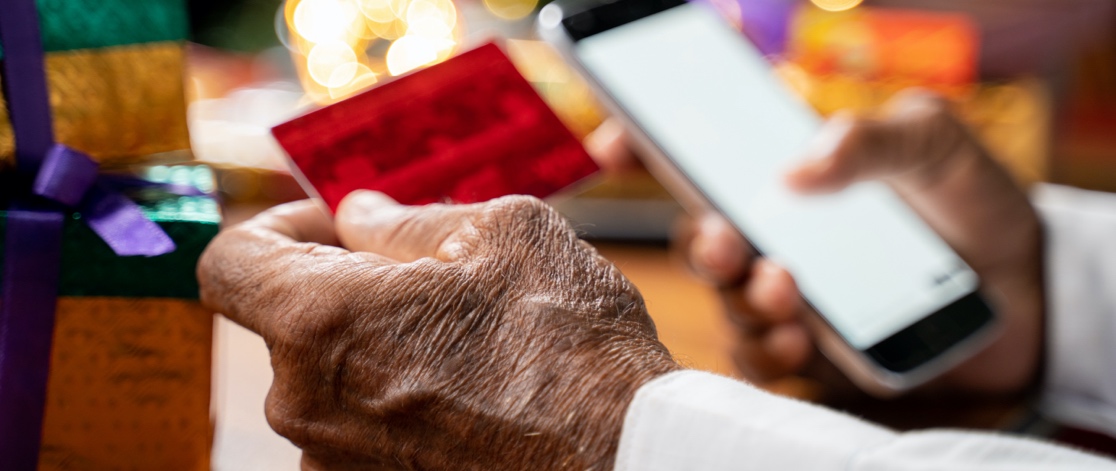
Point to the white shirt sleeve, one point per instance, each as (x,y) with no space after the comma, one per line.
(1080,387)
(691,420)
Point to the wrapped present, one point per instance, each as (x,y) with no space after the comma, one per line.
(115,77)
(129,381)
(104,353)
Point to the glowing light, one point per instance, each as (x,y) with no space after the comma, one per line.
(379,11)
(511,9)
(399,8)
(429,28)
(321,21)
(411,52)
(391,30)
(836,5)
(364,78)
(441,11)
(340,44)
(332,64)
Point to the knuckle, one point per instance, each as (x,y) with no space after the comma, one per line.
(521,207)
(916,98)
(862,144)
(312,308)
(286,417)
(939,114)
(930,109)
(212,269)
(525,219)
(315,307)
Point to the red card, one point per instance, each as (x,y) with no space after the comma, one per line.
(469,129)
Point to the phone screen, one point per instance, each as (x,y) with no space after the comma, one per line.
(712,103)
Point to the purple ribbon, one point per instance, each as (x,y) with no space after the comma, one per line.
(60,180)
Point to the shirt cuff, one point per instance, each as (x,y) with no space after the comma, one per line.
(1080,387)
(696,420)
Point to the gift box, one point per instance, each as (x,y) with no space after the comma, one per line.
(104,351)
(130,367)
(114,71)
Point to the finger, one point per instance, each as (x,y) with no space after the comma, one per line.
(826,164)
(777,352)
(789,345)
(771,294)
(754,362)
(608,145)
(303,221)
(253,271)
(370,221)
(917,134)
(718,252)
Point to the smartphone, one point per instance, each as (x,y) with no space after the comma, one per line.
(896,305)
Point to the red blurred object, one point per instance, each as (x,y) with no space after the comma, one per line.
(469,129)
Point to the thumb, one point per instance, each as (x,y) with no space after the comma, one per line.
(917,135)
(370,221)
(828,163)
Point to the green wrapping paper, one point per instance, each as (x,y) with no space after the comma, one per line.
(89,24)
(90,268)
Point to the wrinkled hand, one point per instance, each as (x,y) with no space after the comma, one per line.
(929,158)
(481,336)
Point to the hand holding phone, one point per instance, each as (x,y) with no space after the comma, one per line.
(950,180)
(897,306)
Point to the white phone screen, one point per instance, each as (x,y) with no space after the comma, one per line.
(712,103)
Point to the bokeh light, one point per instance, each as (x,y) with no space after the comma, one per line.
(343,46)
(363,77)
(379,11)
(432,11)
(332,64)
(390,30)
(413,51)
(326,20)
(836,5)
(511,9)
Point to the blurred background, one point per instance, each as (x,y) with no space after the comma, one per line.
(1036,79)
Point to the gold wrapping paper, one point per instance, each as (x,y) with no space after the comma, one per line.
(117,104)
(129,385)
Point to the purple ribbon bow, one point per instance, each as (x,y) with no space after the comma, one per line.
(58,180)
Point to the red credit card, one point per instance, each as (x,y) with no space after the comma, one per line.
(469,129)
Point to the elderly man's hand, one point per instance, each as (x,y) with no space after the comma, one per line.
(481,336)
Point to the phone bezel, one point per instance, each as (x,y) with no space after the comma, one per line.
(908,358)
